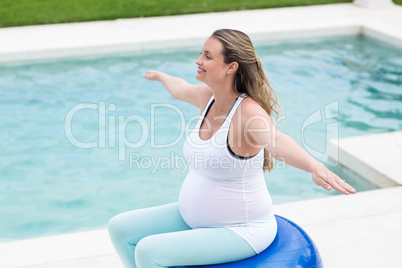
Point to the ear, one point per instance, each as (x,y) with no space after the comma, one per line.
(232,67)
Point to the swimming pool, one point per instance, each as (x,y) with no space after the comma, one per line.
(49,185)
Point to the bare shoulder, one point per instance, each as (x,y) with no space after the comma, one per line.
(250,107)
(257,124)
(252,110)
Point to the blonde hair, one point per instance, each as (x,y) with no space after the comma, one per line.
(250,77)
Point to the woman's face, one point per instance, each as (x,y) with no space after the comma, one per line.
(211,67)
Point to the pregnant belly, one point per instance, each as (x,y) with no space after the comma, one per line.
(209,202)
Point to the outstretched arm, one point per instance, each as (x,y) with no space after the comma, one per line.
(282,147)
(177,87)
(293,154)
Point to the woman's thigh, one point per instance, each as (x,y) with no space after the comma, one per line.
(128,228)
(147,221)
(199,246)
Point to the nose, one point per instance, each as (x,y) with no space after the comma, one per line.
(198,61)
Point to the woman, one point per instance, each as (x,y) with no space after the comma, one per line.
(224,212)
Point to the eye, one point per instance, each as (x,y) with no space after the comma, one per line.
(206,55)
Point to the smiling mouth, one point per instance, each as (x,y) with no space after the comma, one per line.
(201,70)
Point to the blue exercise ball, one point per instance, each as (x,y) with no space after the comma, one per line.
(291,248)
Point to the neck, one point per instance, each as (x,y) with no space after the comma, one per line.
(224,96)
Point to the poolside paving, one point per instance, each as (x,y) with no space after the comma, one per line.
(376,157)
(144,34)
(361,230)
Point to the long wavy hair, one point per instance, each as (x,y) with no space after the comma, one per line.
(250,78)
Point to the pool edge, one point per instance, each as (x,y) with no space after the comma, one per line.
(375,157)
(96,38)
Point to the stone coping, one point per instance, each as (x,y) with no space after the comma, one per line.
(376,157)
(54,41)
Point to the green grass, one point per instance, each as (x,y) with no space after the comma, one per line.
(31,12)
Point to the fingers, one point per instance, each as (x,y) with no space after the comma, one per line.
(147,75)
(345,186)
(340,185)
(150,75)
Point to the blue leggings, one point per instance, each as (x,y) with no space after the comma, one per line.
(159,237)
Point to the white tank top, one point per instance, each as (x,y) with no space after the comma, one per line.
(222,189)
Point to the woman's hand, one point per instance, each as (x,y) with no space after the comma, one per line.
(151,75)
(328,180)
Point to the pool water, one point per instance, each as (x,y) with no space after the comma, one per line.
(84,139)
